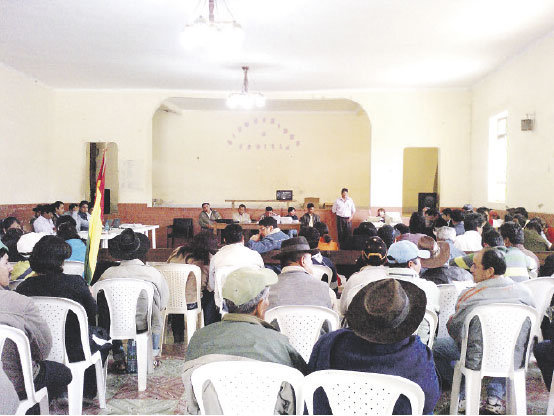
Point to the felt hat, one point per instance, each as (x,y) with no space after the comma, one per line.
(27,242)
(295,245)
(386,311)
(244,284)
(440,252)
(404,251)
(128,245)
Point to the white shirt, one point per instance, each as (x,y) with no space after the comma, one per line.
(344,208)
(42,225)
(359,280)
(242,219)
(468,241)
(233,255)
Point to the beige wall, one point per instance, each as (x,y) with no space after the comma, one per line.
(420,175)
(524,85)
(217,155)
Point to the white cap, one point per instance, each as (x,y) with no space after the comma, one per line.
(27,242)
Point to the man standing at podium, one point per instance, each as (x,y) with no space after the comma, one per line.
(344,209)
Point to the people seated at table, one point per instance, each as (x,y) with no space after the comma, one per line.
(296,284)
(10,239)
(326,243)
(82,216)
(58,208)
(381,213)
(131,249)
(437,269)
(207,217)
(470,240)
(68,233)
(381,319)
(310,217)
(268,213)
(312,236)
(417,228)
(20,312)
(241,216)
(492,286)
(43,223)
(291,212)
(360,236)
(269,238)
(199,252)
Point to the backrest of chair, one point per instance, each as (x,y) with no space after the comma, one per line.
(302,325)
(432,321)
(542,289)
(122,296)
(354,392)
(18,337)
(74,267)
(54,312)
(320,271)
(176,275)
(501,324)
(181,225)
(220,276)
(247,387)
(448,295)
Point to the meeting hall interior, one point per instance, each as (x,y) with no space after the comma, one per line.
(408,105)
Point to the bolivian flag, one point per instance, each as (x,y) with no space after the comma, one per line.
(95,224)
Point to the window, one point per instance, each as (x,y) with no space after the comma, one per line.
(498,157)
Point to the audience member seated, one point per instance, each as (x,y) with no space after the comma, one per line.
(296,284)
(373,266)
(401,229)
(68,233)
(544,353)
(448,235)
(492,287)
(519,267)
(241,216)
(457,221)
(310,217)
(326,243)
(547,269)
(513,236)
(269,238)
(20,312)
(312,236)
(417,228)
(10,239)
(471,239)
(381,319)
(199,252)
(360,236)
(47,261)
(444,218)
(533,238)
(131,248)
(291,212)
(437,268)
(25,244)
(268,213)
(431,216)
(386,233)
(10,222)
(44,223)
(81,216)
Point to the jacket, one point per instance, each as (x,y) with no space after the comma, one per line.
(305,219)
(9,401)
(205,220)
(446,274)
(269,242)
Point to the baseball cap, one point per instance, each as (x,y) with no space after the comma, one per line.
(404,251)
(244,284)
(27,242)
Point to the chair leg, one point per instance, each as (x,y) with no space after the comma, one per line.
(75,392)
(518,394)
(150,355)
(162,336)
(100,383)
(44,405)
(455,394)
(473,392)
(142,358)
(192,317)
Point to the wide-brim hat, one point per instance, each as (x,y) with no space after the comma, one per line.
(128,245)
(295,245)
(386,311)
(440,252)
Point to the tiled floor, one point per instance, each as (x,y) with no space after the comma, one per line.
(164,392)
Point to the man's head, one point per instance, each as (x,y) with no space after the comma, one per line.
(374,252)
(366,228)
(344,192)
(417,223)
(520,219)
(521,211)
(205,207)
(291,211)
(310,208)
(296,252)
(535,224)
(402,228)
(232,233)
(10,222)
(446,234)
(405,254)
(492,238)
(467,208)
(386,233)
(246,290)
(58,207)
(46,210)
(457,216)
(268,211)
(5,268)
(73,207)
(311,234)
(48,255)
(266,226)
(83,207)
(473,222)
(488,263)
(242,209)
(446,213)
(484,211)
(511,233)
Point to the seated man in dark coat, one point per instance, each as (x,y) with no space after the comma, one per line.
(382,318)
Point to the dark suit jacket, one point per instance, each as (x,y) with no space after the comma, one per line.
(305,219)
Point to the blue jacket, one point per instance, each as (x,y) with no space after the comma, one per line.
(268,243)
(409,358)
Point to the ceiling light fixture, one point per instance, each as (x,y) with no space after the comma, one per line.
(213,34)
(245,99)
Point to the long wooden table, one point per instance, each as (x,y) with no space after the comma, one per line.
(253,226)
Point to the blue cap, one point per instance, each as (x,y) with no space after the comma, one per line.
(404,251)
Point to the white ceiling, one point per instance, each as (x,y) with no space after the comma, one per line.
(289,44)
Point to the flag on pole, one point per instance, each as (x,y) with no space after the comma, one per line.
(95,224)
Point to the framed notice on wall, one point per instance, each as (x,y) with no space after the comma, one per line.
(284,196)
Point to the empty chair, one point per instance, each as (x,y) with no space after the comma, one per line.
(302,325)
(181,228)
(354,392)
(74,267)
(122,296)
(501,325)
(176,276)
(432,321)
(323,273)
(542,289)
(247,387)
(54,312)
(19,338)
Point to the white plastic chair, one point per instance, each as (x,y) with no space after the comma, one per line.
(550,408)
(432,321)
(176,275)
(542,289)
(500,328)
(320,271)
(247,387)
(18,337)
(221,274)
(74,267)
(122,296)
(448,296)
(302,325)
(54,312)
(355,392)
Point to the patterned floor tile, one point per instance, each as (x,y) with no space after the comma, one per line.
(139,407)
(158,388)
